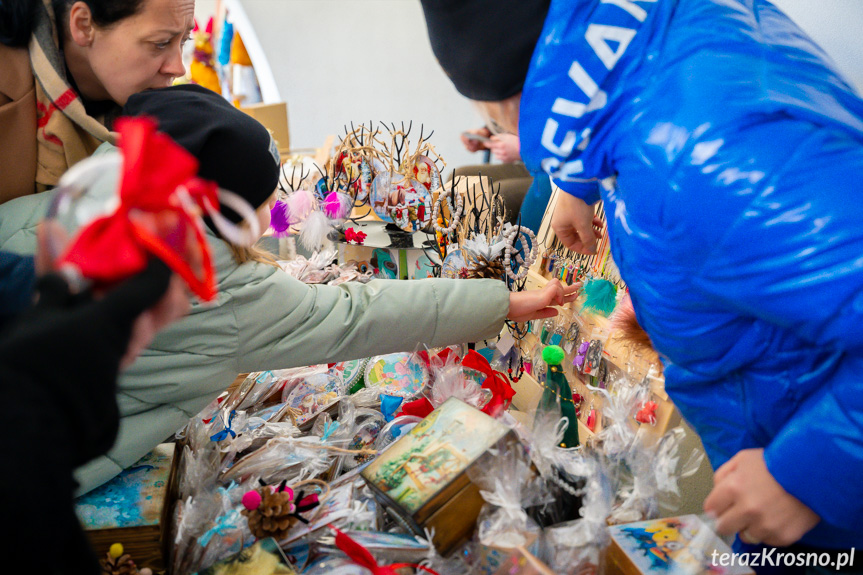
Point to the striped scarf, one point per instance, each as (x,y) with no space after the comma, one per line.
(65,134)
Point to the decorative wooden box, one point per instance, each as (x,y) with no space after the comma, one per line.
(133,508)
(421,479)
(682,545)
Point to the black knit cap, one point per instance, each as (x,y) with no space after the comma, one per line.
(485,46)
(234,149)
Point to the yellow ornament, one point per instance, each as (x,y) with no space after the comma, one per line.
(202,71)
(116,550)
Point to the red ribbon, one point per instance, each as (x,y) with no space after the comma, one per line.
(421,407)
(361,556)
(496,382)
(117,246)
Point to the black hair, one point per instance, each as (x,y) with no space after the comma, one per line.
(106,12)
(18,17)
(16,21)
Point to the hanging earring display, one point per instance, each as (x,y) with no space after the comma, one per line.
(602,374)
(593,357)
(591,418)
(543,263)
(558,332)
(515,364)
(538,363)
(546,331)
(570,337)
(578,361)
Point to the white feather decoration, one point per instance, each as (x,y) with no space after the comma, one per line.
(315,230)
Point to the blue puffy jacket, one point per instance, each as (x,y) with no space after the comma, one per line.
(734,218)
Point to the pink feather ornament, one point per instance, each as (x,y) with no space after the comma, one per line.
(280,219)
(337,205)
(300,203)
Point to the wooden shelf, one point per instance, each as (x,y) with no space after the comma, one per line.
(528,392)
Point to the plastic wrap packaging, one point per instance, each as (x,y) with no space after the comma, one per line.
(366,428)
(561,468)
(450,380)
(199,470)
(574,547)
(386,547)
(283,458)
(395,429)
(618,434)
(649,480)
(210,528)
(508,485)
(301,268)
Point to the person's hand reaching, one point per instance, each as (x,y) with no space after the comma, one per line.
(505,147)
(536,304)
(746,499)
(575,224)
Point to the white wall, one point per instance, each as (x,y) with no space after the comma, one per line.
(335,61)
(837,26)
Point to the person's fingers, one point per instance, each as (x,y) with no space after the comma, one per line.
(725,470)
(552,293)
(568,236)
(586,235)
(734,520)
(720,500)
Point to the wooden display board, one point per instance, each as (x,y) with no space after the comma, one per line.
(620,356)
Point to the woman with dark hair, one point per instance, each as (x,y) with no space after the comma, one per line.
(66,67)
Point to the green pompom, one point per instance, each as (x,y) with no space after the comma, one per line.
(553,355)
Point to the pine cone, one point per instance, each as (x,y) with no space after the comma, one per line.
(122,565)
(481,268)
(273,517)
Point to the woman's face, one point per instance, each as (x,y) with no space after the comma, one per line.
(142,51)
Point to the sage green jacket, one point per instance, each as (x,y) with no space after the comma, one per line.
(264,319)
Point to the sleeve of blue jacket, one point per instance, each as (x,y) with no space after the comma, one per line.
(794,257)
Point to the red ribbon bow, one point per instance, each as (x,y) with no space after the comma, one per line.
(361,556)
(117,246)
(501,391)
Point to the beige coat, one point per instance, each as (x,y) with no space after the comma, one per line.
(17,124)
